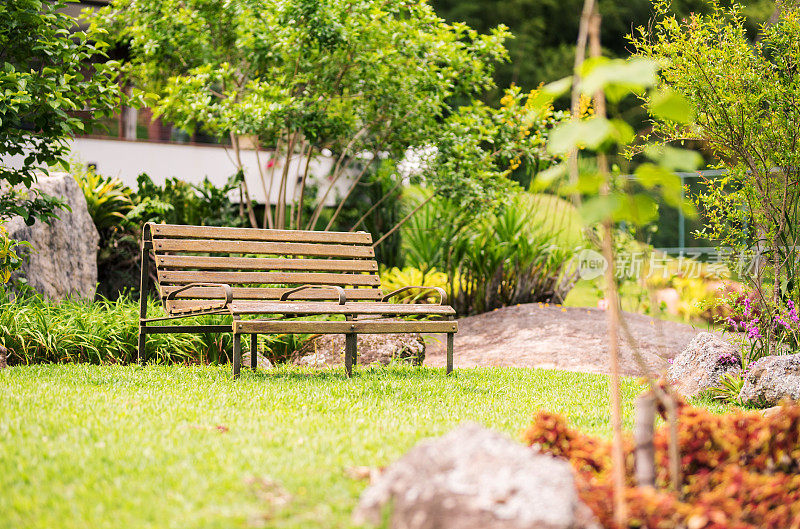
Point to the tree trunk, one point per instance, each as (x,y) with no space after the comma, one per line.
(240,166)
(644,452)
(617,454)
(580,53)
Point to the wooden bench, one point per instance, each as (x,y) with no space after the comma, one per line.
(277,274)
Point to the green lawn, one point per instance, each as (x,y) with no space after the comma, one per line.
(102,446)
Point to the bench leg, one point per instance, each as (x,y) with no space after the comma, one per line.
(141,353)
(350,352)
(237,354)
(253,351)
(450,338)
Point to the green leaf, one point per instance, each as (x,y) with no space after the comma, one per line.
(588,184)
(622,132)
(651,175)
(671,106)
(672,158)
(597,209)
(588,133)
(638,209)
(557,88)
(545,179)
(618,77)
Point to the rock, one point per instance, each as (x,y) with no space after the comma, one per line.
(63,261)
(670,298)
(473,478)
(701,365)
(3,357)
(262,362)
(772,379)
(328,349)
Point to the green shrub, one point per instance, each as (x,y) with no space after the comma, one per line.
(119,213)
(105,332)
(107,199)
(743,96)
(499,259)
(178,202)
(10,260)
(36,330)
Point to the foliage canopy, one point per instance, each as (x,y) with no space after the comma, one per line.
(301,76)
(49,76)
(744,99)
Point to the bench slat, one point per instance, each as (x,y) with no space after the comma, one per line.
(274,293)
(265,263)
(254,234)
(353,309)
(266,278)
(343,327)
(257,247)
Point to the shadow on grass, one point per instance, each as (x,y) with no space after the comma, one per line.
(361,373)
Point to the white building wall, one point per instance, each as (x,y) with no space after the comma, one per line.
(125,159)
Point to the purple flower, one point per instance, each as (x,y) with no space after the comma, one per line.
(779,321)
(747,308)
(733,324)
(727,359)
(792,311)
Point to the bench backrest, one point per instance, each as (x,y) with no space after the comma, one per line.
(262,264)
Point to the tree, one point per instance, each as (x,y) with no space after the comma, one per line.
(360,78)
(745,98)
(48,76)
(544,31)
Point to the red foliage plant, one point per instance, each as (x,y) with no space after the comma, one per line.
(740,471)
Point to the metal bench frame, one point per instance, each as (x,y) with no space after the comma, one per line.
(199,291)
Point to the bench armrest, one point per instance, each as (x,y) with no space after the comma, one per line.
(440,290)
(339,290)
(226,289)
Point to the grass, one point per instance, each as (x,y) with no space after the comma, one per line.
(185,447)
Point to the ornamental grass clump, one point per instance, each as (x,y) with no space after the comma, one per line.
(740,470)
(37,330)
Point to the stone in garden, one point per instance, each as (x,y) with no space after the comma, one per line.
(771,380)
(328,349)
(474,478)
(63,260)
(670,298)
(701,365)
(3,357)
(262,362)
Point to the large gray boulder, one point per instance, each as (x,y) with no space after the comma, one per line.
(473,478)
(702,364)
(771,379)
(328,349)
(63,261)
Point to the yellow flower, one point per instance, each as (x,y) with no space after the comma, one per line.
(585,106)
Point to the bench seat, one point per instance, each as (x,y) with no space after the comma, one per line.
(320,307)
(282,275)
